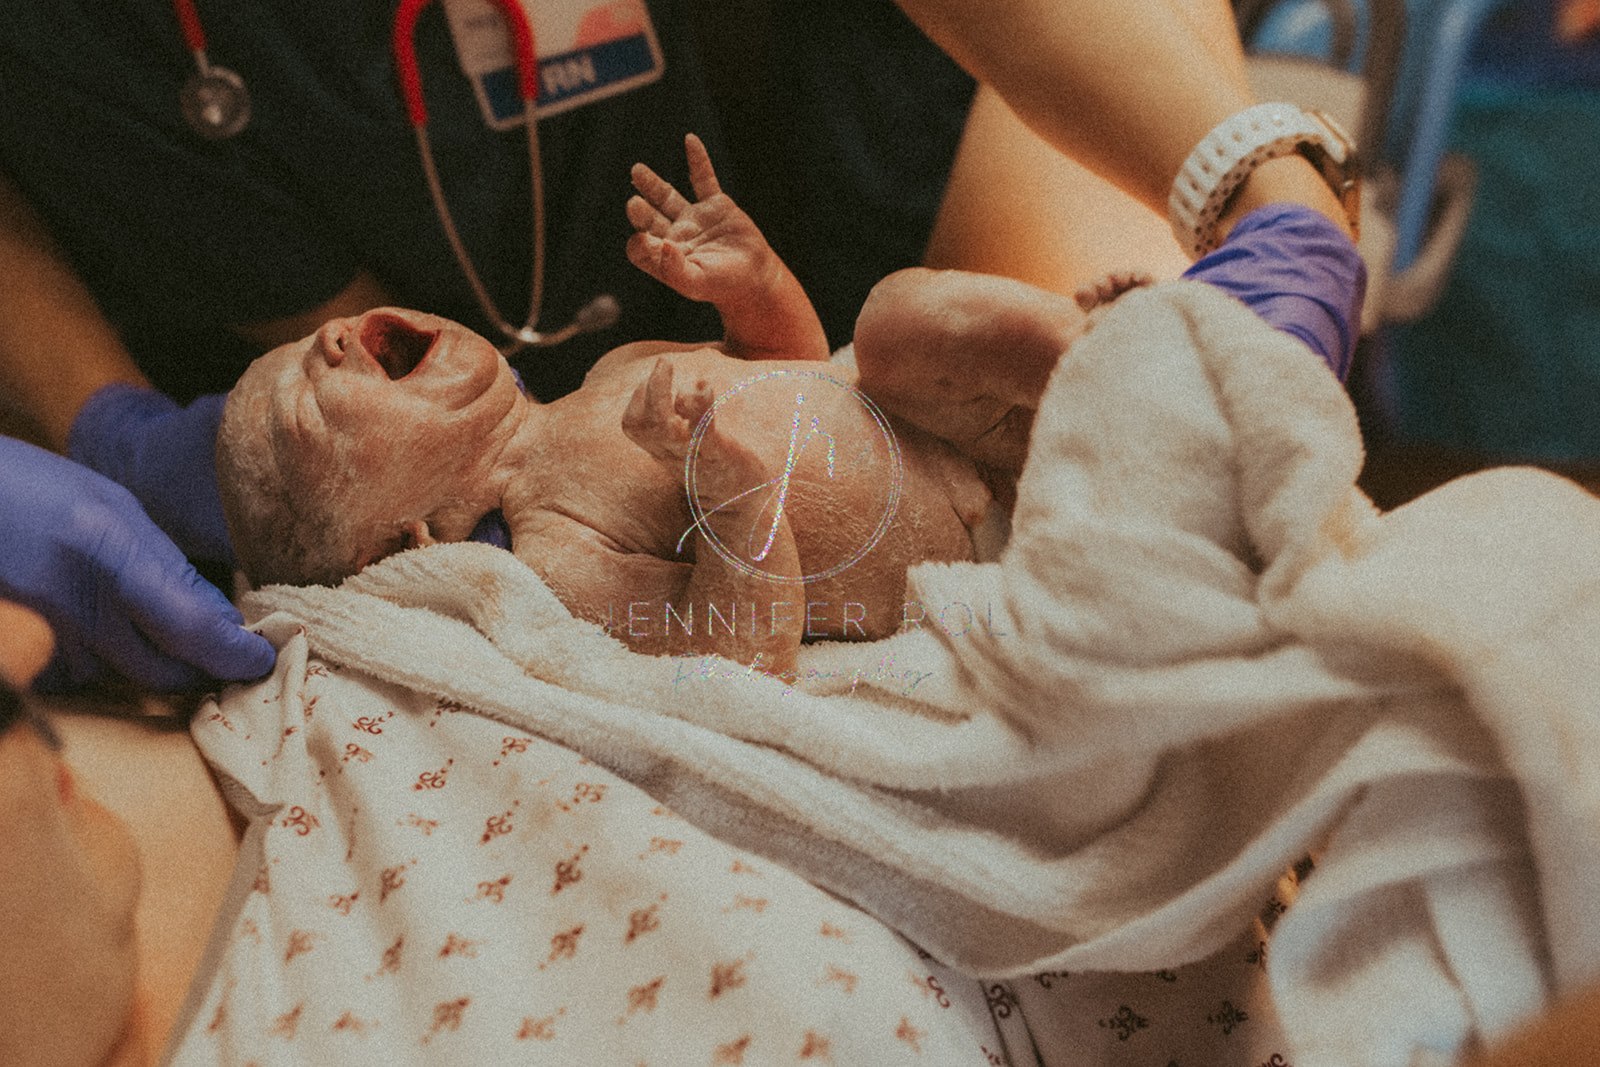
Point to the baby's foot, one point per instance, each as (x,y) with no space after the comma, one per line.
(1104,290)
(711,251)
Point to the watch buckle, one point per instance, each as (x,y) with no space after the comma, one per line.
(1339,162)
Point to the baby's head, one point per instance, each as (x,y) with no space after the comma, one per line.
(374,434)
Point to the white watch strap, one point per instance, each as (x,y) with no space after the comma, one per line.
(1225,158)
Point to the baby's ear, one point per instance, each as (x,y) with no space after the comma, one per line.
(415,534)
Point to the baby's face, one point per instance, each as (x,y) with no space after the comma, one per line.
(384,419)
(382,371)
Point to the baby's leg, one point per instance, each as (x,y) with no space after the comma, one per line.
(964,356)
(711,251)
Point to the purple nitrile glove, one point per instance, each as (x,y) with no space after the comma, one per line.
(1298,271)
(165,455)
(492,530)
(80,551)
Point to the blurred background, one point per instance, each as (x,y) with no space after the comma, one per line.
(1482,126)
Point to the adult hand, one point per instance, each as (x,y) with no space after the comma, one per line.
(1300,272)
(79,550)
(165,455)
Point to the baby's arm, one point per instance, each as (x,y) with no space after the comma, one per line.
(711,251)
(729,481)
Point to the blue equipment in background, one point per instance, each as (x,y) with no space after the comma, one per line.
(1499,353)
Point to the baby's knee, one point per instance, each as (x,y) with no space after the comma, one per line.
(895,309)
(959,323)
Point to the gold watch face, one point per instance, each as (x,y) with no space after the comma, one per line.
(1339,162)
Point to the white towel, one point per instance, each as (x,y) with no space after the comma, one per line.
(1202,654)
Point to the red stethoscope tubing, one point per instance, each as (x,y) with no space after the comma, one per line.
(405,53)
(194,34)
(599,313)
(405,65)
(405,50)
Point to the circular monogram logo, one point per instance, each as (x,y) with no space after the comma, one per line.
(818,435)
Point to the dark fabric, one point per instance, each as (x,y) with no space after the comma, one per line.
(179,238)
(866,116)
(1508,360)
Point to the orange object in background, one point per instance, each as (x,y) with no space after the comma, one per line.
(1567,1036)
(1577,20)
(611,22)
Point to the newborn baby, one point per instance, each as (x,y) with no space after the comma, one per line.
(804,503)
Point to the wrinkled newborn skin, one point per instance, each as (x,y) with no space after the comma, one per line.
(328,463)
(397,428)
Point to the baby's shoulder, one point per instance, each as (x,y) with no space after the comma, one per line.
(627,363)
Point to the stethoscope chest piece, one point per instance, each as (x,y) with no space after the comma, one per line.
(216,105)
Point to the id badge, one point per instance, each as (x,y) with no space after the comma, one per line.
(587,50)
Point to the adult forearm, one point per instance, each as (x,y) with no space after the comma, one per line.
(56,348)
(1126,88)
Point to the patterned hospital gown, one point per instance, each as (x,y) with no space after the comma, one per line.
(422,884)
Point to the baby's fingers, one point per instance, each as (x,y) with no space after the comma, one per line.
(649,420)
(693,404)
(644,251)
(658,191)
(651,406)
(645,218)
(702,176)
(663,261)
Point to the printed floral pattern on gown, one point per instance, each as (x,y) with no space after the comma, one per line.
(422,884)
(1217,1012)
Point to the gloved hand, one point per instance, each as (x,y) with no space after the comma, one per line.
(1299,272)
(79,550)
(165,455)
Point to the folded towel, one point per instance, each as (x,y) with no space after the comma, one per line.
(1202,654)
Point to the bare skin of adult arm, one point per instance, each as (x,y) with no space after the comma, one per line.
(1015,206)
(118,850)
(1127,89)
(56,347)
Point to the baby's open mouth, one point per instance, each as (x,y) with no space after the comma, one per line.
(398,346)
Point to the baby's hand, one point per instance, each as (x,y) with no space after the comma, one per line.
(658,420)
(662,421)
(709,250)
